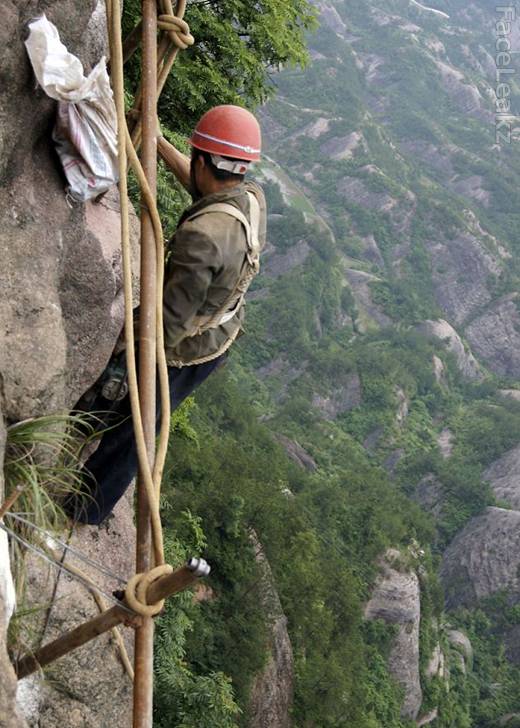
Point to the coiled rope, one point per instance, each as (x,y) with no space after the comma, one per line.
(176,37)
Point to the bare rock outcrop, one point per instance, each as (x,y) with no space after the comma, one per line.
(439,159)
(356,190)
(495,336)
(472,187)
(484,558)
(429,494)
(360,283)
(339,148)
(272,691)
(297,453)
(445,442)
(465,95)
(504,477)
(396,600)
(462,644)
(435,666)
(461,272)
(429,718)
(371,251)
(346,396)
(442,330)
(279,264)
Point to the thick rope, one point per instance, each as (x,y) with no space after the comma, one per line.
(151,480)
(176,36)
(137,587)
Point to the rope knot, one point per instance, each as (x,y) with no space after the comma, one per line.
(137,587)
(178,30)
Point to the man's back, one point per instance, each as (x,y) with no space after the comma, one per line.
(207,257)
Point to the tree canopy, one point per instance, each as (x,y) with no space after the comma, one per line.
(239,45)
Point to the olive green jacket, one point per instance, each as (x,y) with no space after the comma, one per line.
(206,257)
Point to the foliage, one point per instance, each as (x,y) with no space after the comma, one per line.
(237,46)
(183,698)
(42,464)
(310,335)
(43,459)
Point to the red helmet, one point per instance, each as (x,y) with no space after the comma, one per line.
(230,131)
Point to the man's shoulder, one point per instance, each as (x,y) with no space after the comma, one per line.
(255,188)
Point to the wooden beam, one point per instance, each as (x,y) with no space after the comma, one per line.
(164,587)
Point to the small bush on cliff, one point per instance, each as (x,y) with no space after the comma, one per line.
(42,461)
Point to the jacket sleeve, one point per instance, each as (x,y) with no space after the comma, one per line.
(194,260)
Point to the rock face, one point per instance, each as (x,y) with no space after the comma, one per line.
(345,397)
(445,442)
(396,600)
(429,493)
(461,274)
(60,313)
(9,715)
(281,263)
(339,148)
(504,477)
(466,362)
(271,695)
(297,453)
(61,316)
(88,687)
(360,283)
(483,559)
(495,336)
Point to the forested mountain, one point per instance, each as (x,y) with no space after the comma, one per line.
(364,430)
(352,473)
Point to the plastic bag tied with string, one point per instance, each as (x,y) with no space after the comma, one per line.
(85,132)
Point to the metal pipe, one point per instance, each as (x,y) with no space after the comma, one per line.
(164,587)
(143,654)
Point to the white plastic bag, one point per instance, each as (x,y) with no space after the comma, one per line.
(86,124)
(7,591)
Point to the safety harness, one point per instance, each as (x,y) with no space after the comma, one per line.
(250,268)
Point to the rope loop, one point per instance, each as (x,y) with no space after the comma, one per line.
(178,30)
(137,587)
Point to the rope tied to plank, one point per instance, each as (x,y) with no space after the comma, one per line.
(137,587)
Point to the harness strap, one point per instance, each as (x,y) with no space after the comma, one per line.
(233,302)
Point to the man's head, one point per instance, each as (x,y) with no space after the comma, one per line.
(224,142)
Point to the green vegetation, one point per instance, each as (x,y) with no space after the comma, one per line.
(43,460)
(321,537)
(366,401)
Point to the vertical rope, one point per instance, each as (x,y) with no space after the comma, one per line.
(177,30)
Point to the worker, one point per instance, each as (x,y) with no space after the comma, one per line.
(213,256)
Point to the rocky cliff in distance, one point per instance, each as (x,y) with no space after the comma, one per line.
(396,600)
(395,151)
(272,691)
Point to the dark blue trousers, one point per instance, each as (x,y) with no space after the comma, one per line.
(112,467)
